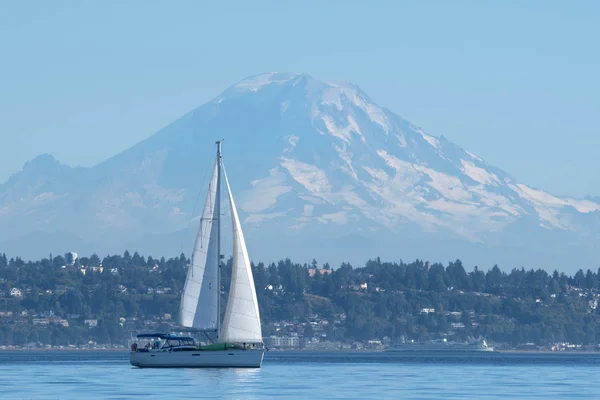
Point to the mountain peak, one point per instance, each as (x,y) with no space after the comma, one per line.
(333,108)
(308,157)
(312,85)
(42,161)
(42,168)
(255,82)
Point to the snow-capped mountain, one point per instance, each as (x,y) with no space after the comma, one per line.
(319,170)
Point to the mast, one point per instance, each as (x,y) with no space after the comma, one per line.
(218,214)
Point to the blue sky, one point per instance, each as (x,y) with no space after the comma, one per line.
(514,82)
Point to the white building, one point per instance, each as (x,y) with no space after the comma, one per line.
(91,322)
(283,342)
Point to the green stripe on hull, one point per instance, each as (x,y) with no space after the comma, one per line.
(217,347)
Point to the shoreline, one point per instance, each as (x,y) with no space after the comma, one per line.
(346,351)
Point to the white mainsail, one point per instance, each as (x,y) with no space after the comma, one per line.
(241,323)
(199,306)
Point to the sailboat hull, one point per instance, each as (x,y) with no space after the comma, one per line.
(197,359)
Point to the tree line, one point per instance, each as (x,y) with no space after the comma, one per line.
(358,303)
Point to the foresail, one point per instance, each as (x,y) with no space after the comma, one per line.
(241,323)
(199,301)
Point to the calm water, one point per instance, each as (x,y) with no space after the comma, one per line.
(100,375)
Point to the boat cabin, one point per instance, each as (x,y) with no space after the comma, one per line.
(165,342)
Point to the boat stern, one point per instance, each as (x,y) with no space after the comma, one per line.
(134,358)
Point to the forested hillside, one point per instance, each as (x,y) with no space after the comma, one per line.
(68,300)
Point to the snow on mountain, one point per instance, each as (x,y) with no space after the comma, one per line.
(389,171)
(311,162)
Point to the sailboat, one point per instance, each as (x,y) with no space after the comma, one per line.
(237,342)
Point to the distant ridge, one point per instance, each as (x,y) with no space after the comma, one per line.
(320,169)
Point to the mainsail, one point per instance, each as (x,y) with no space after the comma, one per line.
(199,306)
(241,323)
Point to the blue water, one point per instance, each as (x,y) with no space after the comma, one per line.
(108,375)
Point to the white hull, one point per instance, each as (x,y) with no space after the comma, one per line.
(442,348)
(197,359)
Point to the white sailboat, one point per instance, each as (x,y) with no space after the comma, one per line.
(238,341)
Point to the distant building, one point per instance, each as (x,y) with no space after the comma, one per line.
(14,292)
(91,322)
(454,313)
(85,269)
(273,341)
(290,341)
(283,342)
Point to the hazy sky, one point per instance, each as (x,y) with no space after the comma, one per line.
(515,82)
